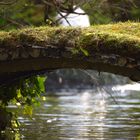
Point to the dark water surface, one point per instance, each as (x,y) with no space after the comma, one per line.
(109,113)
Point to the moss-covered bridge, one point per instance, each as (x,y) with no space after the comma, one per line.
(113,48)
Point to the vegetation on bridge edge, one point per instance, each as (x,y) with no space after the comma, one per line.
(119,38)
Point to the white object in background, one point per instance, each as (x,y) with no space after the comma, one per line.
(74,19)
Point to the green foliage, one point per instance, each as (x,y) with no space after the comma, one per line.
(23,92)
(21,13)
(135,13)
(84,51)
(28,12)
(8,124)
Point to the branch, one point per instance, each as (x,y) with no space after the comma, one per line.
(12,21)
(8,3)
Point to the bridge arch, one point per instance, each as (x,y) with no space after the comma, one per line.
(113,48)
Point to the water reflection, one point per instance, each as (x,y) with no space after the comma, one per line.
(127,87)
(94,112)
(99,114)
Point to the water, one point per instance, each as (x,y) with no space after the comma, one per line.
(109,113)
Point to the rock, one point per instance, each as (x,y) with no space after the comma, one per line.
(3,56)
(34,53)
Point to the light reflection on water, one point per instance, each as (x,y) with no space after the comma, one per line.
(85,115)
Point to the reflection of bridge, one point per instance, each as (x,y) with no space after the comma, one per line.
(109,48)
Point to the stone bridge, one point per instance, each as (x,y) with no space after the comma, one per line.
(113,48)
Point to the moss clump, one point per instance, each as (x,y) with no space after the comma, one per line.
(119,38)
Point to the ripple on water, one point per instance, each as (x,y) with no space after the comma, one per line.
(88,115)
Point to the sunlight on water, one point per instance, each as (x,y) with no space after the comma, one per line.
(97,114)
(94,110)
(123,88)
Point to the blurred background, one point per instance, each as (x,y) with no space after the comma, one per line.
(20,13)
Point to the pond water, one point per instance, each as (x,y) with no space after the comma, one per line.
(106,113)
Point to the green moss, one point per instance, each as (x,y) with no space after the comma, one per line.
(124,28)
(120,38)
(123,38)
